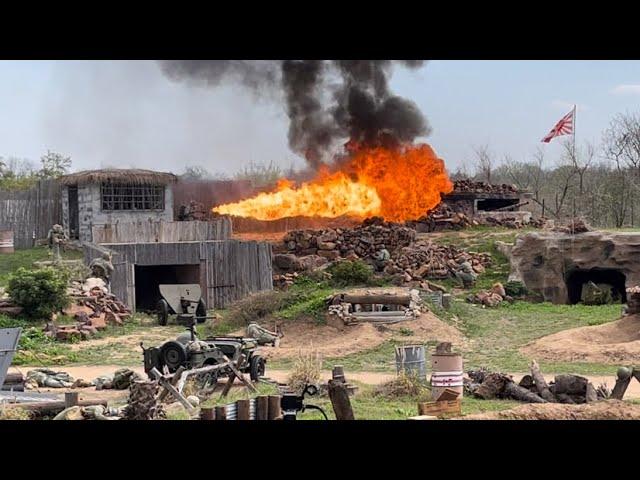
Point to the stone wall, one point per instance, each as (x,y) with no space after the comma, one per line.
(543,260)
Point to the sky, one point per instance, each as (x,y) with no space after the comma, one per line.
(128,114)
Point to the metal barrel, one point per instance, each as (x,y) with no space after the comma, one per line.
(252,409)
(446,372)
(232,411)
(410,359)
(435,298)
(6,241)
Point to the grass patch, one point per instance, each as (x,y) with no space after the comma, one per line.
(25,258)
(369,406)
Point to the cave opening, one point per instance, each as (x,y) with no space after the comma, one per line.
(576,278)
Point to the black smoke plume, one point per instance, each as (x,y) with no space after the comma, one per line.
(359,107)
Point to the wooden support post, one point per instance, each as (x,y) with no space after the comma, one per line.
(174,381)
(221,413)
(207,413)
(243,409)
(177,395)
(338,373)
(274,407)
(339,397)
(70,399)
(262,407)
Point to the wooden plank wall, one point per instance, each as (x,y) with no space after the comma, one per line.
(233,269)
(162,232)
(236,269)
(29,212)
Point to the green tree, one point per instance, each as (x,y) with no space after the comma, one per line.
(54,165)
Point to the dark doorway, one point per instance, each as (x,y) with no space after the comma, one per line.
(491,204)
(576,278)
(147,279)
(74,213)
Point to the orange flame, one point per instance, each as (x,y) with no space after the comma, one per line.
(396,184)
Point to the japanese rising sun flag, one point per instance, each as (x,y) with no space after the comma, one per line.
(563,127)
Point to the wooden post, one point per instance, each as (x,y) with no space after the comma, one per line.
(207,413)
(274,407)
(243,406)
(262,407)
(70,399)
(543,207)
(338,373)
(221,413)
(339,397)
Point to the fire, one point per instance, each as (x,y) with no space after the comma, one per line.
(396,184)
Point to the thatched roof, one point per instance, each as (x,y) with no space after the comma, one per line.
(119,176)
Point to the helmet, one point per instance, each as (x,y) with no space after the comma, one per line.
(624,373)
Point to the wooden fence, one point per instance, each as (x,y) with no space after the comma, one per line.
(31,213)
(162,232)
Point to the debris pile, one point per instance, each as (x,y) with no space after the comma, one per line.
(424,260)
(443,217)
(573,226)
(92,308)
(490,298)
(533,388)
(193,211)
(469,186)
(362,241)
(633,300)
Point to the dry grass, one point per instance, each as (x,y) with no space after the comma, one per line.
(305,370)
(13,413)
(403,386)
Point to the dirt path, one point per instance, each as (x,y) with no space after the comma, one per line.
(90,372)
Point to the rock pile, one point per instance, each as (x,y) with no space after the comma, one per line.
(443,217)
(92,308)
(633,300)
(362,241)
(573,226)
(481,187)
(424,260)
(490,298)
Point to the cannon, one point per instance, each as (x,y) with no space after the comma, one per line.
(183,300)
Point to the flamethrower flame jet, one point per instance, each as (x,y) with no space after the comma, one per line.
(398,184)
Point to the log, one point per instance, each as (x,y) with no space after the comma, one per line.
(12,378)
(541,385)
(339,397)
(221,412)
(13,387)
(591,395)
(243,409)
(55,407)
(377,299)
(522,394)
(564,398)
(262,407)
(207,413)
(274,407)
(492,386)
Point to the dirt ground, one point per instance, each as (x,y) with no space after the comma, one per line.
(606,410)
(331,342)
(616,343)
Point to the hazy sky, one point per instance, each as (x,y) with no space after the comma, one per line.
(126,113)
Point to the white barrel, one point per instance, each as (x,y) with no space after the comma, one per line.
(446,372)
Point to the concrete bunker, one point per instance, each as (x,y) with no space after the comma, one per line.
(555,265)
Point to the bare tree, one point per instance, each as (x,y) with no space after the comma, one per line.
(580,159)
(484,162)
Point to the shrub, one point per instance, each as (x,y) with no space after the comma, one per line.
(348,272)
(40,292)
(404,385)
(515,289)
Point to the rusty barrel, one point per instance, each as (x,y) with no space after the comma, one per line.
(446,372)
(6,241)
(410,359)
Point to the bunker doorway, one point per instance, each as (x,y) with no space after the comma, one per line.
(576,278)
(149,277)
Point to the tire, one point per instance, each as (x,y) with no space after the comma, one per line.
(201,311)
(173,355)
(163,312)
(257,369)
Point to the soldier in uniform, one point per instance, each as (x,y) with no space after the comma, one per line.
(102,267)
(264,336)
(466,275)
(55,238)
(380,258)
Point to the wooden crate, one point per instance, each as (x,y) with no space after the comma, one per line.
(446,407)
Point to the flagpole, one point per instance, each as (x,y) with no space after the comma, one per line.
(574,130)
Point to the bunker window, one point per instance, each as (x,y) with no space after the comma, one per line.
(132,197)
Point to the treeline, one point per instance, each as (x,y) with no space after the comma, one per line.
(21,173)
(600,182)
